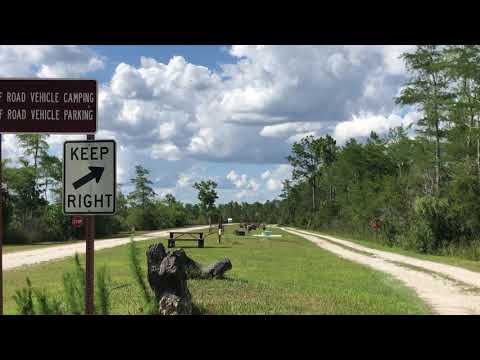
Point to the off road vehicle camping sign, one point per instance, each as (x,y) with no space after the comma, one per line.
(89,177)
(48,106)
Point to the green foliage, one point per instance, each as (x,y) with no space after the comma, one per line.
(24,299)
(46,305)
(102,292)
(74,288)
(386,179)
(206,195)
(33,202)
(434,223)
(138,275)
(287,275)
(31,301)
(421,192)
(143,194)
(143,218)
(310,158)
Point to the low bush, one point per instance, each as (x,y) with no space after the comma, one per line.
(21,236)
(435,225)
(33,301)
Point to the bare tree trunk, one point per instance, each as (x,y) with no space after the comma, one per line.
(313,193)
(469,127)
(46,188)
(478,154)
(437,159)
(469,141)
(313,197)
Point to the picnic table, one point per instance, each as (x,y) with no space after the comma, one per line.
(185,236)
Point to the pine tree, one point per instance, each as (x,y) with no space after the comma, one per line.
(207,196)
(143,194)
(428,90)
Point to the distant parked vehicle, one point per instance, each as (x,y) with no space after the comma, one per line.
(252,227)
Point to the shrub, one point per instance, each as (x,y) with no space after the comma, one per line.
(434,223)
(18,236)
(102,293)
(32,301)
(46,305)
(74,288)
(24,299)
(390,233)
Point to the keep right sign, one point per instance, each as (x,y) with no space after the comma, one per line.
(89,177)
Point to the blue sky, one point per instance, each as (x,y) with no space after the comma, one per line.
(207,55)
(229,113)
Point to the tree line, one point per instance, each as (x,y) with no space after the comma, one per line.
(420,192)
(32,201)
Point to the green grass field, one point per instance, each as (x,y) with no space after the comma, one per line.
(448,260)
(287,275)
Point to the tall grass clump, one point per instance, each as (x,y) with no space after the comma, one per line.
(32,301)
(102,292)
(138,275)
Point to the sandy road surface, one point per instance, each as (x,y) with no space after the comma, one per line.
(448,289)
(32,257)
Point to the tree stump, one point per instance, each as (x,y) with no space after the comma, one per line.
(168,273)
(168,279)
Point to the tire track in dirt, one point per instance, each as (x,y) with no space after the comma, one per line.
(443,294)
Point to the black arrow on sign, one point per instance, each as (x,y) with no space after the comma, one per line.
(95,173)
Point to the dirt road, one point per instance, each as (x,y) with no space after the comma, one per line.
(448,289)
(32,257)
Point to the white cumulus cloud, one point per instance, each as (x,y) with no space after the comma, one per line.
(52,61)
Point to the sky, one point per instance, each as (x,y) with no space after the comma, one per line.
(227,113)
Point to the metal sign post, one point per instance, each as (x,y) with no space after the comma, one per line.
(89,264)
(89,259)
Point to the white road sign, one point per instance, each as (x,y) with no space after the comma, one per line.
(89,177)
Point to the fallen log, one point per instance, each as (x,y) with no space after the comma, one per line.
(197,271)
(218,269)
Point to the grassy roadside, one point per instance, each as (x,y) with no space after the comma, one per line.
(287,275)
(448,260)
